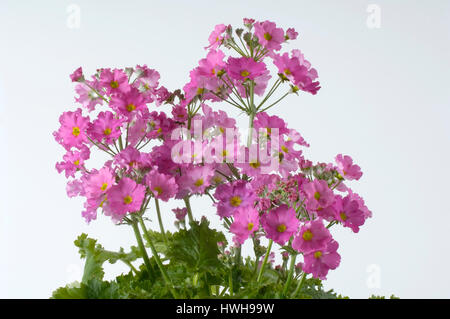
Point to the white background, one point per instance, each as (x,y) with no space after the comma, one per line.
(384,100)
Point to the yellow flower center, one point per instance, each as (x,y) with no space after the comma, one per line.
(343,216)
(127,200)
(307,235)
(76,131)
(224,153)
(267,36)
(245,73)
(317,195)
(255,164)
(131,107)
(281,228)
(199,182)
(317,254)
(213,71)
(114,84)
(217,179)
(287,72)
(104,186)
(285,149)
(200,91)
(269,130)
(250,226)
(107,131)
(235,201)
(158,189)
(77,162)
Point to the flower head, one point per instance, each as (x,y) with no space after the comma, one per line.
(125,197)
(319,262)
(246,222)
(347,169)
(163,186)
(280,224)
(233,196)
(269,35)
(313,235)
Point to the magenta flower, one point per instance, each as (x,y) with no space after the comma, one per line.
(125,197)
(77,75)
(128,104)
(72,132)
(318,194)
(232,196)
(319,262)
(129,159)
(73,161)
(246,222)
(245,68)
(266,123)
(280,224)
(313,235)
(106,128)
(347,169)
(348,213)
(114,81)
(216,37)
(87,97)
(162,186)
(291,34)
(269,35)
(195,180)
(99,183)
(180,213)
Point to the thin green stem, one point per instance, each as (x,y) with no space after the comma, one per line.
(266,258)
(299,286)
(158,260)
(189,210)
(291,272)
(265,109)
(137,233)
(161,226)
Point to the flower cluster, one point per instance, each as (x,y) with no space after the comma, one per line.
(174,145)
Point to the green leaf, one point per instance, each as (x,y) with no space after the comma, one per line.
(197,247)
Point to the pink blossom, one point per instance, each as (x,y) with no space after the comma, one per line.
(232,196)
(291,34)
(129,159)
(163,186)
(77,75)
(348,213)
(245,68)
(180,213)
(106,128)
(114,81)
(72,132)
(73,161)
(246,222)
(266,123)
(347,169)
(195,180)
(313,235)
(128,104)
(269,35)
(87,97)
(125,197)
(280,224)
(216,37)
(99,183)
(319,262)
(318,194)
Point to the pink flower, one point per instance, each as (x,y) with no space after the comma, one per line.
(180,213)
(87,97)
(125,197)
(212,64)
(245,68)
(216,37)
(248,22)
(179,113)
(346,168)
(297,70)
(232,196)
(318,194)
(163,186)
(106,128)
(313,235)
(246,222)
(319,262)
(72,132)
(348,213)
(367,213)
(291,34)
(128,104)
(280,224)
(195,180)
(114,81)
(77,75)
(267,123)
(73,161)
(129,158)
(269,35)
(99,183)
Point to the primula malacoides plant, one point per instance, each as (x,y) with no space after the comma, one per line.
(164,145)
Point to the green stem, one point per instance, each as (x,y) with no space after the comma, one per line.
(189,210)
(137,233)
(291,272)
(264,261)
(161,226)
(158,260)
(265,109)
(299,286)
